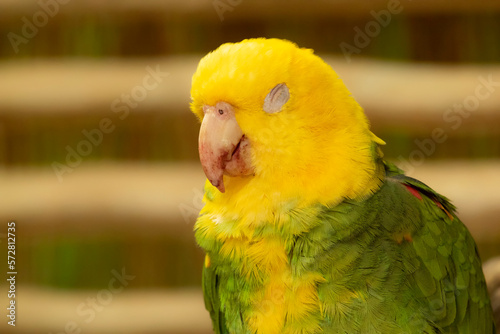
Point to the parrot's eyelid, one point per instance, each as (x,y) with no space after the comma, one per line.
(276,98)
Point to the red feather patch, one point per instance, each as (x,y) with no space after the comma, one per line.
(413,191)
(417,194)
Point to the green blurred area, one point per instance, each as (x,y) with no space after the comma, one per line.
(76,262)
(440,37)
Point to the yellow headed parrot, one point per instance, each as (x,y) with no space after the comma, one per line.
(306,229)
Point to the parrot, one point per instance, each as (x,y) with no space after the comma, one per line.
(304,226)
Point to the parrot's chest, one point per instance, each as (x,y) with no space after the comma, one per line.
(257,287)
(260,290)
(253,277)
(302,277)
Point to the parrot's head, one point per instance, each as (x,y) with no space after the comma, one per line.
(277,122)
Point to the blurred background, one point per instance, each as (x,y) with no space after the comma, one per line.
(99,167)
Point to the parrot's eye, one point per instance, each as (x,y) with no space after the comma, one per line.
(221,111)
(276,98)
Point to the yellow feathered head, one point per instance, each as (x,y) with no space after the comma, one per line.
(277,119)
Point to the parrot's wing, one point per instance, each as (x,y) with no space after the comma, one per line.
(447,270)
(212,300)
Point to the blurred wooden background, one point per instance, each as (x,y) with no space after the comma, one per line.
(128,195)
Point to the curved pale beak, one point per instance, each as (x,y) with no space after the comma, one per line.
(223,148)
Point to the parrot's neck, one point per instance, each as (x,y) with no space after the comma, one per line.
(265,198)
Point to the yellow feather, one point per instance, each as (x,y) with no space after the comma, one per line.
(267,254)
(233,248)
(207,261)
(268,314)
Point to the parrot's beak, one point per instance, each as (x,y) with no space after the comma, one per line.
(223,147)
